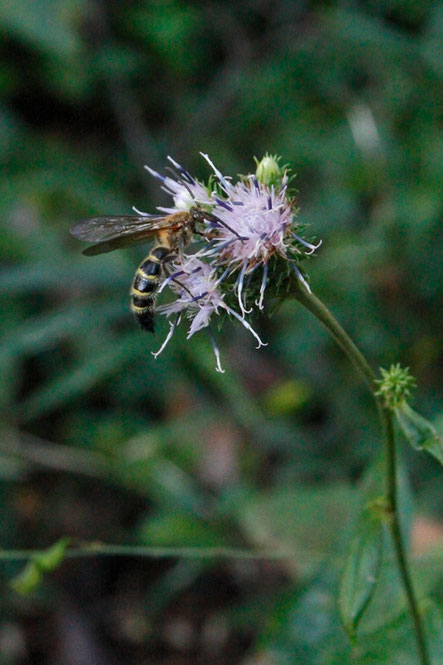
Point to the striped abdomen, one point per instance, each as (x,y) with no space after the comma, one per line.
(145,286)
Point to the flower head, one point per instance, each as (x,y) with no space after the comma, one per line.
(251,223)
(261,219)
(196,286)
(257,223)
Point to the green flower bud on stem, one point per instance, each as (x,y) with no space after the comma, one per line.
(395,385)
(268,171)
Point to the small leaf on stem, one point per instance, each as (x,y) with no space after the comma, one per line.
(420,433)
(31,577)
(361,570)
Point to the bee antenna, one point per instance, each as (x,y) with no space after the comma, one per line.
(186,186)
(176,174)
(213,218)
(209,216)
(180,180)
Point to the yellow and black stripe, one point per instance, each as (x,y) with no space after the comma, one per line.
(145,286)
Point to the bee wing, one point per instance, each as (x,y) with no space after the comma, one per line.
(116,243)
(100,229)
(109,233)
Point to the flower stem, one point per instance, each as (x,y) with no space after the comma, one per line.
(320,311)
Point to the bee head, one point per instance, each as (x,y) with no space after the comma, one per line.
(196,215)
(199,214)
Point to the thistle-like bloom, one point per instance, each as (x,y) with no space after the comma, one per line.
(196,286)
(257,223)
(250,224)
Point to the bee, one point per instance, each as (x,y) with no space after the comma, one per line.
(173,233)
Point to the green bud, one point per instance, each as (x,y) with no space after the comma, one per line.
(395,385)
(268,171)
(31,577)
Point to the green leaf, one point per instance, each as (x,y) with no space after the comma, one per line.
(31,577)
(389,601)
(303,627)
(28,580)
(361,570)
(395,643)
(420,433)
(302,518)
(53,556)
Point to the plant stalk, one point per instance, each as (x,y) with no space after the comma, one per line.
(321,312)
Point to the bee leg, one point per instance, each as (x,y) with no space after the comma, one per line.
(172,258)
(167,263)
(183,287)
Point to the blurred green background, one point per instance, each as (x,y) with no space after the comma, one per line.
(99,440)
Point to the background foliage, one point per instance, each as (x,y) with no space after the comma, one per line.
(100,441)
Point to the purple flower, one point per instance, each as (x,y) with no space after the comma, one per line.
(260,215)
(185,190)
(257,222)
(250,224)
(199,298)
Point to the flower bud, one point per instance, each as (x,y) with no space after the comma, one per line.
(268,171)
(395,385)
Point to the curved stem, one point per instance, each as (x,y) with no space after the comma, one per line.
(394,523)
(321,312)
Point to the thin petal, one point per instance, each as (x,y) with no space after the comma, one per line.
(172,327)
